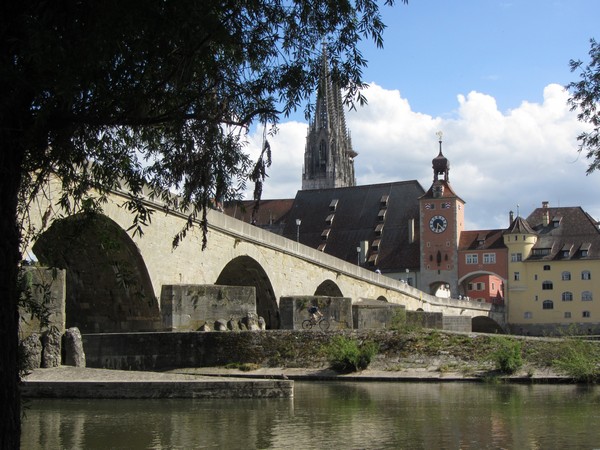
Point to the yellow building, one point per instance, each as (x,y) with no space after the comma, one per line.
(553,272)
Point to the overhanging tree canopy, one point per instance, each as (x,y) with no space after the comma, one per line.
(161,91)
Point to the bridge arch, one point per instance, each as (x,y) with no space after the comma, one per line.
(108,287)
(467,278)
(246,271)
(329,288)
(484,324)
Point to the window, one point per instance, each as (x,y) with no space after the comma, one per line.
(586,296)
(547,285)
(489,258)
(528,315)
(480,286)
(586,314)
(548,304)
(470,287)
(586,275)
(567,315)
(584,253)
(472,258)
(517,276)
(566,276)
(535,277)
(516,257)
(567,296)
(540,252)
(547,267)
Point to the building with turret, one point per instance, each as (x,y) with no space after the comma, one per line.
(553,272)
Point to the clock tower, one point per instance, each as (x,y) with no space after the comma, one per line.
(442,221)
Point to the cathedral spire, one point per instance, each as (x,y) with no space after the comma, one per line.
(328,157)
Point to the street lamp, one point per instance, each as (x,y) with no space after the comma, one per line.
(298,223)
(358,256)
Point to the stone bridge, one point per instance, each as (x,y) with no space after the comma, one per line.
(96,250)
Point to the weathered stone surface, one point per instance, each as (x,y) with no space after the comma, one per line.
(262,324)
(205,327)
(48,289)
(221,325)
(184,307)
(52,348)
(233,325)
(294,310)
(31,349)
(74,354)
(251,321)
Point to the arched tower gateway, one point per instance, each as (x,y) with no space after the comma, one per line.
(442,221)
(328,157)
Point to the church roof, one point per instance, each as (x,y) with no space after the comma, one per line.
(271,214)
(336,221)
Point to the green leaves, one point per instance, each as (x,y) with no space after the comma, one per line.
(586,100)
(123,94)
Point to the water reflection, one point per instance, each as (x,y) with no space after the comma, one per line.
(330,415)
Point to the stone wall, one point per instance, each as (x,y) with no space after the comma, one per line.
(425,319)
(167,350)
(457,323)
(48,289)
(374,314)
(187,307)
(294,310)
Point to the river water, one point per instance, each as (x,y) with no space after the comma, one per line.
(331,415)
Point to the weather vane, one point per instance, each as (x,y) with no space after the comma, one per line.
(439,134)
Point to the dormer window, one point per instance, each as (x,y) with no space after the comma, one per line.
(333,204)
(384,200)
(584,250)
(381,215)
(329,219)
(556,221)
(325,234)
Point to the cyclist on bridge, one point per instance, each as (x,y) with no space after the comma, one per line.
(314,312)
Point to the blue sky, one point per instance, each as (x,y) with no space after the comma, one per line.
(490,75)
(436,49)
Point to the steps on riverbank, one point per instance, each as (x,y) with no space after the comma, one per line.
(79,382)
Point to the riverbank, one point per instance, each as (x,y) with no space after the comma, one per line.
(410,356)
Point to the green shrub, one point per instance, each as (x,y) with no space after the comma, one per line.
(508,355)
(346,355)
(578,360)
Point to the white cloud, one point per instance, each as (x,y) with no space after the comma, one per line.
(497,159)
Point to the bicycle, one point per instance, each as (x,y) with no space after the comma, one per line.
(322,323)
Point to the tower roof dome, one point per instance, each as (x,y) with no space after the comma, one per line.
(440,164)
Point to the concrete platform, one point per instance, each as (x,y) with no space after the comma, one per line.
(79,382)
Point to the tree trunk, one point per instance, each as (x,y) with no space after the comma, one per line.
(11,158)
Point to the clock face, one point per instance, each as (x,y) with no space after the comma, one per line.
(437,224)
